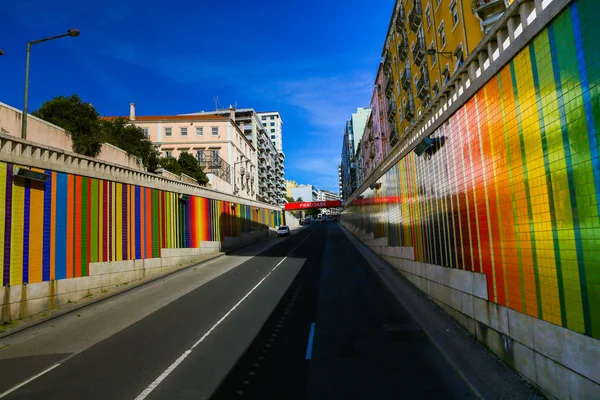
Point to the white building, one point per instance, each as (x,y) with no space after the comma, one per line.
(272,123)
(269,182)
(306,192)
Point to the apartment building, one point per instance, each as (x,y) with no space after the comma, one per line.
(306,193)
(220,146)
(289,187)
(353,133)
(427,41)
(269,182)
(272,122)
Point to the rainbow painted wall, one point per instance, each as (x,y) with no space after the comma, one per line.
(514,193)
(53,230)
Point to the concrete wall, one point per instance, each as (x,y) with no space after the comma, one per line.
(45,133)
(562,363)
(21,301)
(291,220)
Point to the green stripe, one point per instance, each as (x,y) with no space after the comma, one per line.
(527,191)
(539,49)
(512,192)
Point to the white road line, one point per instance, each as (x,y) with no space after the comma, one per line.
(20,385)
(311,337)
(176,363)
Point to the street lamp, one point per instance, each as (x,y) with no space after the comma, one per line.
(433,52)
(71,33)
(235,189)
(1,52)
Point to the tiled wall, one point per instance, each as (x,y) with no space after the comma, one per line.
(53,230)
(514,192)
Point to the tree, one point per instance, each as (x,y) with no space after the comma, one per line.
(76,117)
(289,199)
(189,166)
(186,164)
(132,139)
(299,199)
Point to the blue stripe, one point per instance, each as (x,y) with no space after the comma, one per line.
(569,165)
(47,227)
(311,337)
(61,226)
(587,102)
(26,228)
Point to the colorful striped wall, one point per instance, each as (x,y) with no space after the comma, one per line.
(514,193)
(53,230)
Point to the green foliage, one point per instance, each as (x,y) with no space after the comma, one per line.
(186,164)
(289,199)
(132,139)
(299,199)
(76,117)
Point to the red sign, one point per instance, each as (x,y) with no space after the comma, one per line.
(313,204)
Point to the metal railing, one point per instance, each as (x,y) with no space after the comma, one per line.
(212,163)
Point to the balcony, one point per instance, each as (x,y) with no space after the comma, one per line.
(409,110)
(423,90)
(403,48)
(212,163)
(389,87)
(387,65)
(393,137)
(406,80)
(488,10)
(415,16)
(400,20)
(391,112)
(419,51)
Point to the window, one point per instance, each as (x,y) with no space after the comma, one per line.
(436,89)
(263,118)
(215,130)
(416,79)
(183,131)
(442,34)
(264,124)
(214,155)
(272,123)
(454,13)
(437,3)
(146,132)
(272,117)
(428,17)
(446,73)
(168,153)
(272,136)
(273,143)
(168,131)
(272,130)
(199,131)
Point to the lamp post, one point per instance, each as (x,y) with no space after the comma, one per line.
(433,52)
(71,33)
(1,52)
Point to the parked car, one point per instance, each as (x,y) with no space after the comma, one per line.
(283,230)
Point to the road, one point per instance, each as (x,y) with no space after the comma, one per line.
(305,318)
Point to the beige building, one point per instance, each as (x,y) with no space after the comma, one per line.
(289,188)
(220,146)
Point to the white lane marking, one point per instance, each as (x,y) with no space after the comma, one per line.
(176,363)
(311,337)
(20,385)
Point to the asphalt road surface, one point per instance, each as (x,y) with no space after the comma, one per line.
(305,318)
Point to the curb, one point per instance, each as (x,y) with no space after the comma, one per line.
(129,288)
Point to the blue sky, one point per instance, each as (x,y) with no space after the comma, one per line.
(313,61)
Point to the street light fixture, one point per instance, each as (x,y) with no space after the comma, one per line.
(433,52)
(1,53)
(71,33)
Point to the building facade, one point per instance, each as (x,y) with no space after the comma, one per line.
(269,178)
(305,192)
(222,149)
(289,187)
(272,122)
(353,132)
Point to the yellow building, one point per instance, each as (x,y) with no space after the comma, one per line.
(289,187)
(449,30)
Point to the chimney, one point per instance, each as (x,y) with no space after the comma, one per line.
(232,113)
(132,111)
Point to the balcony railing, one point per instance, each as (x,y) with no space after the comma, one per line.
(415,16)
(393,137)
(406,80)
(389,87)
(409,110)
(400,20)
(403,48)
(419,51)
(212,163)
(387,64)
(391,112)
(486,9)
(423,86)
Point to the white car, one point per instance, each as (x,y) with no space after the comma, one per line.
(283,230)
